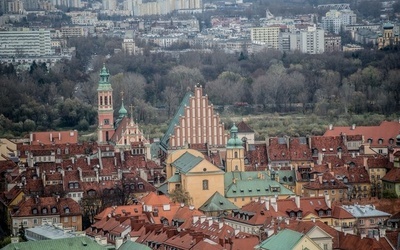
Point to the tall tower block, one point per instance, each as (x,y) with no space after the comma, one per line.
(105,108)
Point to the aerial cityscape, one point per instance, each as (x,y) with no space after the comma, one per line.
(196,124)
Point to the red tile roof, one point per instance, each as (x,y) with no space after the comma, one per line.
(28,206)
(392,176)
(54,137)
(386,131)
(350,242)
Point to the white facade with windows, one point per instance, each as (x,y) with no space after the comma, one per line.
(25,42)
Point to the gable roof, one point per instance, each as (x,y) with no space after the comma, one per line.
(386,130)
(286,239)
(392,176)
(164,143)
(187,162)
(217,202)
(244,128)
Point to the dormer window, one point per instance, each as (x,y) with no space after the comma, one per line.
(54,210)
(44,211)
(320,213)
(66,210)
(34,211)
(380,141)
(391,141)
(58,151)
(369,140)
(339,149)
(66,151)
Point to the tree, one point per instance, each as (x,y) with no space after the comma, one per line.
(181,196)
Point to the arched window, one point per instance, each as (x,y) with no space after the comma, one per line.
(44,211)
(101,100)
(53,210)
(236,168)
(34,211)
(236,154)
(105,100)
(205,184)
(66,210)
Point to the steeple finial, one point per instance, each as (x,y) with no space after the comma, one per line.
(132,108)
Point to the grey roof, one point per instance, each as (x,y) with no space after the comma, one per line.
(186,162)
(129,245)
(362,211)
(66,243)
(253,184)
(164,143)
(217,202)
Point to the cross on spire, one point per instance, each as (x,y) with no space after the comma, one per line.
(132,108)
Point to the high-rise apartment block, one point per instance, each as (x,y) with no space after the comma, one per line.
(266,35)
(334,20)
(25,42)
(160,7)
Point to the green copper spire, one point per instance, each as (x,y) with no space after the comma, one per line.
(122,111)
(234,141)
(104,83)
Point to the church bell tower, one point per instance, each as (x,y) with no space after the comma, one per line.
(105,108)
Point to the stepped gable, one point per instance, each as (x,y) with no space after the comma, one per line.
(182,131)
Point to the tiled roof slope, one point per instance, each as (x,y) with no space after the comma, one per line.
(217,202)
(386,130)
(164,142)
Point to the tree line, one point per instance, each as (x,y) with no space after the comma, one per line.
(64,96)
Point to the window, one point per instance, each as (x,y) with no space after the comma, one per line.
(325,246)
(54,210)
(66,210)
(333,191)
(106,121)
(101,100)
(236,155)
(73,218)
(35,221)
(371,221)
(34,211)
(320,213)
(105,100)
(65,219)
(361,222)
(44,211)
(205,184)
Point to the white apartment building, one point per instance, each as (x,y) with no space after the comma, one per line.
(312,40)
(266,35)
(334,20)
(25,42)
(160,7)
(83,17)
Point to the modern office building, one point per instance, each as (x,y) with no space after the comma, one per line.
(25,42)
(312,40)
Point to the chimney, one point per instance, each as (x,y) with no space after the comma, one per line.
(267,204)
(328,200)
(237,231)
(210,222)
(287,221)
(274,204)
(100,159)
(115,161)
(320,178)
(80,174)
(297,201)
(195,218)
(330,126)
(220,224)
(88,160)
(191,207)
(353,126)
(202,219)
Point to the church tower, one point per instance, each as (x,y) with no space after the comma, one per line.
(234,152)
(105,108)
